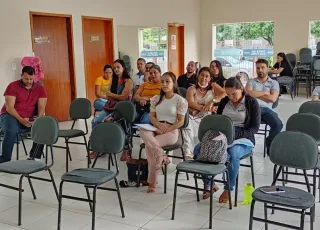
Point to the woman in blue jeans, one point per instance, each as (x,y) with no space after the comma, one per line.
(244,111)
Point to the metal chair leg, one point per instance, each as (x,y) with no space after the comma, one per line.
(165,178)
(88,151)
(211,199)
(196,184)
(53,183)
(229,189)
(236,192)
(20,201)
(251,214)
(31,186)
(94,207)
(184,159)
(303,213)
(252,172)
(139,168)
(67,156)
(175,195)
(265,140)
(119,197)
(24,147)
(88,196)
(265,216)
(60,205)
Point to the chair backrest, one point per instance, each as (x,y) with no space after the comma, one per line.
(219,123)
(305,51)
(107,138)
(292,58)
(125,109)
(186,120)
(275,104)
(316,65)
(182,92)
(80,108)
(307,123)
(306,59)
(295,150)
(45,130)
(310,107)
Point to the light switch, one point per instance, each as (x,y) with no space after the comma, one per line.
(14,66)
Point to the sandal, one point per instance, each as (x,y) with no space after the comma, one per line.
(93,155)
(166,160)
(206,195)
(124,156)
(224,197)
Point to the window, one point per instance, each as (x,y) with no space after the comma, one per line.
(314,35)
(238,45)
(153,46)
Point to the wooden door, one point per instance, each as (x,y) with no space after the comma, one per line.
(52,42)
(98,49)
(176,49)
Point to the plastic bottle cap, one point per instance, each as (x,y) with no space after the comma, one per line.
(249,184)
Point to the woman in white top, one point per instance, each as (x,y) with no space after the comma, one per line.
(167,112)
(201,100)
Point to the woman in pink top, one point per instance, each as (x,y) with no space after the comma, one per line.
(167,112)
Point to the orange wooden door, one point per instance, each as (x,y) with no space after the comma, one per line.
(98,50)
(54,49)
(176,49)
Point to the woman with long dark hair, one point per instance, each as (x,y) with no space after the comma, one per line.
(217,73)
(201,101)
(167,113)
(120,90)
(282,67)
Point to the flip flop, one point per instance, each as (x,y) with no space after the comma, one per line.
(224,197)
(206,195)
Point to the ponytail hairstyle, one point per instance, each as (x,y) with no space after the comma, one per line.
(175,86)
(235,82)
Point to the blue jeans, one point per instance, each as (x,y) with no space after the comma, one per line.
(235,153)
(143,118)
(99,104)
(11,128)
(271,118)
(99,118)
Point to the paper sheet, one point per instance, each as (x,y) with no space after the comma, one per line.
(146,127)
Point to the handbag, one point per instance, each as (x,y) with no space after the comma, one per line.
(133,165)
(110,105)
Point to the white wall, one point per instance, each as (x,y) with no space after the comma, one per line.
(291,19)
(130,46)
(15,39)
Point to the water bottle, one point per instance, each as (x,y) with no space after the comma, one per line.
(248,190)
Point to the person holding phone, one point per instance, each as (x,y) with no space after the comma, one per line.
(24,101)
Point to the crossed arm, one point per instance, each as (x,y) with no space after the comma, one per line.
(267,96)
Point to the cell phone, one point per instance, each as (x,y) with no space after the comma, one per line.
(31,119)
(272,190)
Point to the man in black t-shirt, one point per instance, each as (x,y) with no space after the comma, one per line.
(189,78)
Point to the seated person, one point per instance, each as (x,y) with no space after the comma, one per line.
(167,114)
(24,100)
(121,89)
(316,94)
(145,92)
(266,91)
(244,111)
(189,78)
(146,76)
(217,73)
(138,79)
(201,99)
(149,65)
(282,67)
(102,86)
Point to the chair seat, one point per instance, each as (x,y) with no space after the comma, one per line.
(169,147)
(201,168)
(89,176)
(292,197)
(71,133)
(22,167)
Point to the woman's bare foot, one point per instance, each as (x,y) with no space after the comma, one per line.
(125,154)
(93,155)
(206,195)
(151,188)
(224,197)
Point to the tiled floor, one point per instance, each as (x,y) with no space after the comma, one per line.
(142,210)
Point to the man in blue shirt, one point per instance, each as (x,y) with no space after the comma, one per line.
(138,79)
(266,91)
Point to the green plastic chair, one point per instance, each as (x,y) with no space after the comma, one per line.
(295,150)
(80,109)
(44,131)
(108,138)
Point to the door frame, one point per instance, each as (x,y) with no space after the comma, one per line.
(180,42)
(84,45)
(70,40)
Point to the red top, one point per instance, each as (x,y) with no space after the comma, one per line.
(26,99)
